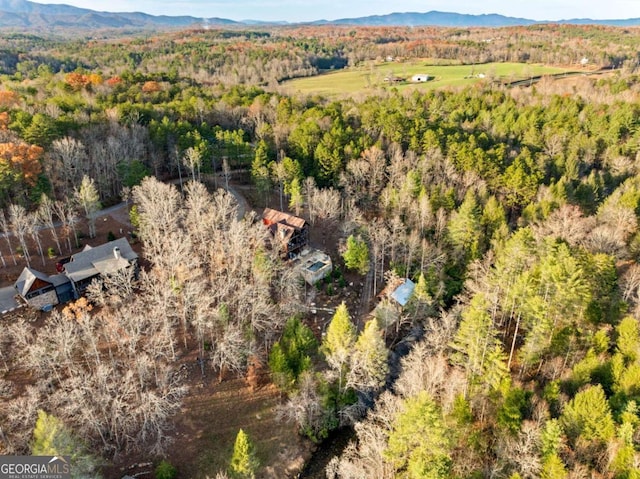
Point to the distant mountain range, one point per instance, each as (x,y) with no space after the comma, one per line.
(26,15)
(447,19)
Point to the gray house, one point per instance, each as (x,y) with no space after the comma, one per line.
(92,262)
(40,290)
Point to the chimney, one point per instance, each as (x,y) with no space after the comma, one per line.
(116,252)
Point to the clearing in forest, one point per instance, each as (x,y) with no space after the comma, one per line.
(398,75)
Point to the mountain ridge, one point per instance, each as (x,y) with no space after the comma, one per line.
(25,14)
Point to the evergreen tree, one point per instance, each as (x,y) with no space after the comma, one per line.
(296,197)
(464,229)
(628,339)
(418,443)
(290,356)
(244,462)
(369,365)
(551,437)
(52,438)
(356,256)
(588,416)
(260,170)
(338,343)
(475,337)
(553,468)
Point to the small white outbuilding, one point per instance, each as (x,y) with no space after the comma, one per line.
(420,77)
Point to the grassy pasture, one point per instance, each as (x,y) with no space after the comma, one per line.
(371,78)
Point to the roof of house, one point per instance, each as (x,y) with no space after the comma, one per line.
(403,293)
(274,216)
(100,260)
(28,276)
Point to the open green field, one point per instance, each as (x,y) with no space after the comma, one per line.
(362,79)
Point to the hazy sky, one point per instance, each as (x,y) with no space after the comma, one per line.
(304,10)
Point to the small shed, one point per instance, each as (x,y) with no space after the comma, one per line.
(402,294)
(420,78)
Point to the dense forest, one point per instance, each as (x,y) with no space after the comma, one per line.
(514,210)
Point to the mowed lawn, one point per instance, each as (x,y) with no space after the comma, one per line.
(371,78)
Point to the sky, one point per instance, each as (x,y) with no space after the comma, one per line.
(307,10)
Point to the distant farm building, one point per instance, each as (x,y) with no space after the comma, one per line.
(420,78)
(41,291)
(314,265)
(394,79)
(290,232)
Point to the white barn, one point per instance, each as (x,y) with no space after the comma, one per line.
(420,77)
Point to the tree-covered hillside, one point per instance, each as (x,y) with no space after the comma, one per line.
(513,210)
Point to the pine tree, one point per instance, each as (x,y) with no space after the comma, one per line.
(551,437)
(553,468)
(464,229)
(244,462)
(369,365)
(290,356)
(588,416)
(356,256)
(52,438)
(338,343)
(418,443)
(628,341)
(476,336)
(260,170)
(296,199)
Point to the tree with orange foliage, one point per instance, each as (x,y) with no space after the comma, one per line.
(19,170)
(78,310)
(23,158)
(8,98)
(4,120)
(76,80)
(114,80)
(151,87)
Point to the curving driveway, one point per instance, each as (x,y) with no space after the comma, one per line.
(8,301)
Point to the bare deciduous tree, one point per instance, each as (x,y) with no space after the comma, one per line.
(88,199)
(69,156)
(46,210)
(6,232)
(20,224)
(34,231)
(192,160)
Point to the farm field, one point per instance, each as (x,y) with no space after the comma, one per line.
(371,78)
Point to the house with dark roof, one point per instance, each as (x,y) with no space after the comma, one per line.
(40,290)
(93,262)
(290,232)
